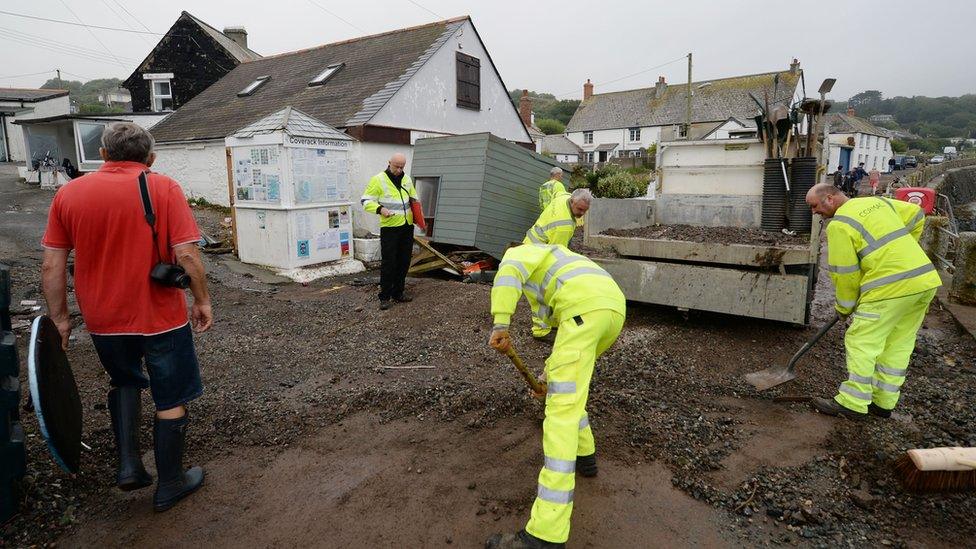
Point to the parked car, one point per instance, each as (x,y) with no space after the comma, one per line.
(909,162)
(937,159)
(899,162)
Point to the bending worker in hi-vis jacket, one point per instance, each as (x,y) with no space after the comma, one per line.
(556,225)
(885,280)
(582,299)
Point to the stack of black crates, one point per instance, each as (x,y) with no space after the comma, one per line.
(12,455)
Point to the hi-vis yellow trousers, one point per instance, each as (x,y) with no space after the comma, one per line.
(879,345)
(566,430)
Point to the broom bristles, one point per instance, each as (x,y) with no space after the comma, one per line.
(927,482)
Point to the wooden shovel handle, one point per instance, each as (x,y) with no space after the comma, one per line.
(537,387)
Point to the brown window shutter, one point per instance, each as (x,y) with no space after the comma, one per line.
(468,81)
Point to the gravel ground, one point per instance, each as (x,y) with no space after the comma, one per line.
(322,414)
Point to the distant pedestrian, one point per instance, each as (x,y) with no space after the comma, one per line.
(891,165)
(857,174)
(551,188)
(874,177)
(839,178)
(388,195)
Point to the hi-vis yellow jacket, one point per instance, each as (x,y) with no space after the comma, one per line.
(873,252)
(382,192)
(562,284)
(548,190)
(556,225)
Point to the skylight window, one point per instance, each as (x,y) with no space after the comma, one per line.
(253,86)
(325,75)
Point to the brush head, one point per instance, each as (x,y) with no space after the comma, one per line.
(918,481)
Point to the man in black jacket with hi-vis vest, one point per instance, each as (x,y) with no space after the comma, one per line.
(388,195)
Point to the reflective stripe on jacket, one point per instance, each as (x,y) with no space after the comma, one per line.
(556,225)
(548,191)
(873,252)
(564,284)
(382,192)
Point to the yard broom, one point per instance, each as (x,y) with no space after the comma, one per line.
(938,470)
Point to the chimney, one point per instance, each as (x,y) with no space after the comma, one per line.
(794,66)
(525,108)
(587,90)
(237,34)
(660,87)
(850,111)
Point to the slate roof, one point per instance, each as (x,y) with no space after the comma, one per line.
(712,101)
(293,122)
(236,50)
(845,123)
(376,67)
(559,144)
(29,95)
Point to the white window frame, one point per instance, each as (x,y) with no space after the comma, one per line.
(587,137)
(634,134)
(154,96)
(82,159)
(588,157)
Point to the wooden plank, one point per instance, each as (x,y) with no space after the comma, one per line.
(722,290)
(230,193)
(704,252)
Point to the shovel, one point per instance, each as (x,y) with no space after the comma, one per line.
(777,375)
(538,388)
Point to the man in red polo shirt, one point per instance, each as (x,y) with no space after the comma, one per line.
(131,317)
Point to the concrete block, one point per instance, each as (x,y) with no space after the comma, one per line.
(935,241)
(709,210)
(963,289)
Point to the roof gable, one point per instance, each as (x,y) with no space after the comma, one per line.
(236,50)
(712,101)
(846,123)
(375,68)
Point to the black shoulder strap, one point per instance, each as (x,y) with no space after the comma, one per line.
(146,202)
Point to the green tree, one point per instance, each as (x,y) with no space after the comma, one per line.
(899,146)
(550,126)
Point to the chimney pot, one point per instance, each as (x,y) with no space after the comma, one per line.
(587,90)
(237,34)
(660,87)
(794,66)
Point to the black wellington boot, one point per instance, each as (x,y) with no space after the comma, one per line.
(586,465)
(125,406)
(174,483)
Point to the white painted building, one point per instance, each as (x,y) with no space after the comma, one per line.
(627,123)
(385,90)
(24,104)
(853,140)
(560,148)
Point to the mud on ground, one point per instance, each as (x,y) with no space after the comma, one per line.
(722,235)
(327,422)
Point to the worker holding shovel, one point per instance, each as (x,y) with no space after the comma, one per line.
(579,297)
(884,279)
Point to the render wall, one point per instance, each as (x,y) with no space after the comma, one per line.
(428,101)
(200,168)
(873,150)
(649,136)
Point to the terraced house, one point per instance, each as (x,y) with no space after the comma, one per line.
(626,123)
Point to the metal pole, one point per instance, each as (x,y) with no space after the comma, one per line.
(688,109)
(60,85)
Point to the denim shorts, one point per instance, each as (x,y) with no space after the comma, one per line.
(171,360)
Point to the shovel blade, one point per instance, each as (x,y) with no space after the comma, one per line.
(770,377)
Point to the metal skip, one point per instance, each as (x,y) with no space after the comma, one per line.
(55,394)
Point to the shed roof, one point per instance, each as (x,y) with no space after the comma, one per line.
(374,68)
(29,95)
(712,100)
(293,122)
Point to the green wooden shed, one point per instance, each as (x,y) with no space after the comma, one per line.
(481,190)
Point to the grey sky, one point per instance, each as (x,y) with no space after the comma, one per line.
(901,48)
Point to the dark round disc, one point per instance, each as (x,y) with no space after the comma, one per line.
(55,394)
